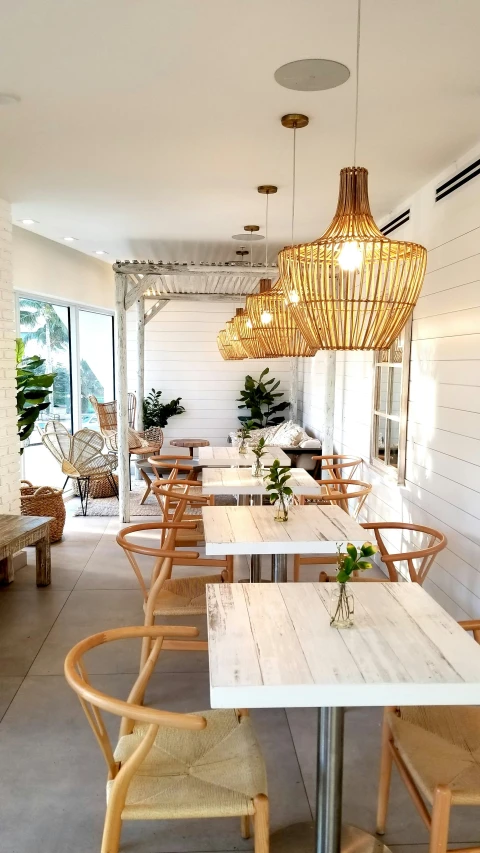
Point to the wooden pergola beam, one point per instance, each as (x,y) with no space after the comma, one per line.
(151,268)
(153,311)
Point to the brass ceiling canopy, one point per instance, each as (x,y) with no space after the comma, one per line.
(272,323)
(295,121)
(267,189)
(251,228)
(353,288)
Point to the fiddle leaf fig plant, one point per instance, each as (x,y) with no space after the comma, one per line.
(260,396)
(33,391)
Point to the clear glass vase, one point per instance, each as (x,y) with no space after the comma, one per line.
(341,606)
(242,447)
(257,468)
(281,508)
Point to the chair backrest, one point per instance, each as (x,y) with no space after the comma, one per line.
(349,495)
(58,441)
(132,710)
(417,546)
(337,465)
(107,412)
(164,552)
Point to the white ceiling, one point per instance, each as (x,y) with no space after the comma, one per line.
(145,126)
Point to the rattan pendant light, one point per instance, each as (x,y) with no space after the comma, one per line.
(353,288)
(270,320)
(226,349)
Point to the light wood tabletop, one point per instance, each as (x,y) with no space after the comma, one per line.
(220,457)
(271,645)
(252,530)
(240,481)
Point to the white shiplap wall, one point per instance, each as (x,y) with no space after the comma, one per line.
(182,359)
(442,487)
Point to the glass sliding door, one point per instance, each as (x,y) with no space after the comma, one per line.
(77,345)
(95,346)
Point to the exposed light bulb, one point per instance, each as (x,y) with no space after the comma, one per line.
(29,221)
(351,256)
(249,324)
(266,317)
(294,297)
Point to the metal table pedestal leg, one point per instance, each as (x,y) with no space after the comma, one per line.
(327,835)
(279,568)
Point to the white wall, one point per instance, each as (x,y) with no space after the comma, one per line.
(442,487)
(182,359)
(45,267)
(9,445)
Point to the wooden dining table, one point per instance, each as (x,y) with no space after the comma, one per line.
(272,646)
(253,531)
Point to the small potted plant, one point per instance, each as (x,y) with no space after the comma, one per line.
(258,451)
(342,602)
(243,434)
(280,494)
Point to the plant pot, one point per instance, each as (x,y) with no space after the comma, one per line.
(341,606)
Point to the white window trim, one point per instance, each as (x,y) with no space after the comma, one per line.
(74,307)
(397,475)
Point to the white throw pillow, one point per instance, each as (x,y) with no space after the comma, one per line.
(287,433)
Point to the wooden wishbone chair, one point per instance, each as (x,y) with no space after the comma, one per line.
(166,465)
(167,596)
(337,465)
(177,498)
(437,754)
(424,557)
(168,765)
(349,495)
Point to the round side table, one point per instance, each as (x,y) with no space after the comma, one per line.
(189,442)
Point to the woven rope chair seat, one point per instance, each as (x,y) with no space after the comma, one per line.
(184,596)
(215,772)
(441,745)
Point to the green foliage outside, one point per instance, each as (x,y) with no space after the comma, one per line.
(157,414)
(33,390)
(260,396)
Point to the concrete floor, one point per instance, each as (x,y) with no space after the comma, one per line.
(52,775)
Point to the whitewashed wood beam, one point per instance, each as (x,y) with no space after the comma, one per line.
(140,390)
(121,394)
(159,305)
(257,271)
(329,403)
(294,389)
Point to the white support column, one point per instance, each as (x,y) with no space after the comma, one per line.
(140,360)
(294,389)
(122,403)
(329,403)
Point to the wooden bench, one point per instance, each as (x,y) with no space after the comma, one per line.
(18,531)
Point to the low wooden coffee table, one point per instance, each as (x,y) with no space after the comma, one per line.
(190,443)
(18,531)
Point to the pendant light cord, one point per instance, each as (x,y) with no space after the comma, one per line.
(294,177)
(266,233)
(359,12)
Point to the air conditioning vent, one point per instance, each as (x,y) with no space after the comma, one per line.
(395,223)
(458,180)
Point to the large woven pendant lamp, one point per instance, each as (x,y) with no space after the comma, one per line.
(225,348)
(271,322)
(353,288)
(242,326)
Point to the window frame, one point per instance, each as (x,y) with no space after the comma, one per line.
(397,474)
(74,309)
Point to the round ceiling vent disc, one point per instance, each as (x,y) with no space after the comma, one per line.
(312,75)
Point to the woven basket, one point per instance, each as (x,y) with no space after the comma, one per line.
(44,501)
(101,487)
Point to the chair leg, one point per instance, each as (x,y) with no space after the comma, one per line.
(229,570)
(296,568)
(112,829)
(261,824)
(80,492)
(65,483)
(386,761)
(245,826)
(440,819)
(87,491)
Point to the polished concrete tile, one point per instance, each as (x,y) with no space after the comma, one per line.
(52,762)
(9,685)
(26,617)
